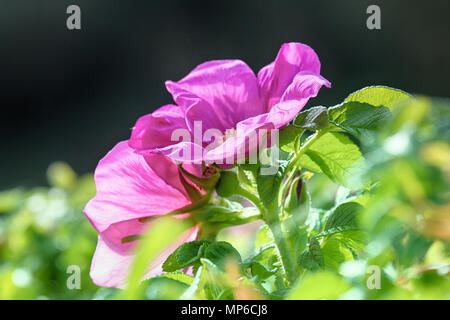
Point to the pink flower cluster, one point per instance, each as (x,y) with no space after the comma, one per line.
(139,178)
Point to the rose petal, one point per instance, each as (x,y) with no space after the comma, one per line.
(305,85)
(228,87)
(155,130)
(128,188)
(274,78)
(112,262)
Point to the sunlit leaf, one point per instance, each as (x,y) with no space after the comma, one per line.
(186,255)
(319,285)
(166,230)
(314,118)
(335,155)
(344,215)
(289,137)
(379,96)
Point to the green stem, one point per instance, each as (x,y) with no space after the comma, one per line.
(272,218)
(272,215)
(292,167)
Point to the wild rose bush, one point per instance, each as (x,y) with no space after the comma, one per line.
(155,185)
(240,189)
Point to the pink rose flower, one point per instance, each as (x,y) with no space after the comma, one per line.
(131,187)
(138,179)
(224,95)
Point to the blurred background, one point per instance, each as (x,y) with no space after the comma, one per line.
(71,95)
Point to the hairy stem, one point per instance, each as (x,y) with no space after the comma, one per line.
(290,267)
(272,215)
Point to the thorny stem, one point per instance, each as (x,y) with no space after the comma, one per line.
(272,215)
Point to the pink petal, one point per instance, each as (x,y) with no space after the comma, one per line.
(128,188)
(113,260)
(186,152)
(228,87)
(305,85)
(275,78)
(155,130)
(244,144)
(202,114)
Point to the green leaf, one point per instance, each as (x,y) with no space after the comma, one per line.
(246,176)
(228,184)
(266,251)
(312,258)
(226,214)
(260,272)
(315,219)
(196,285)
(242,183)
(354,239)
(414,115)
(307,261)
(334,253)
(333,231)
(314,118)
(164,287)
(166,230)
(357,117)
(215,281)
(379,96)
(178,276)
(268,185)
(289,137)
(314,248)
(335,155)
(218,253)
(264,237)
(186,255)
(319,285)
(191,252)
(342,227)
(344,215)
(342,194)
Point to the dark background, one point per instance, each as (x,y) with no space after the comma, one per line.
(71,95)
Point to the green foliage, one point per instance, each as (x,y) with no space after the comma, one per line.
(360,209)
(314,118)
(357,118)
(289,138)
(43,231)
(188,254)
(268,186)
(361,191)
(319,285)
(335,155)
(166,230)
(343,216)
(378,96)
